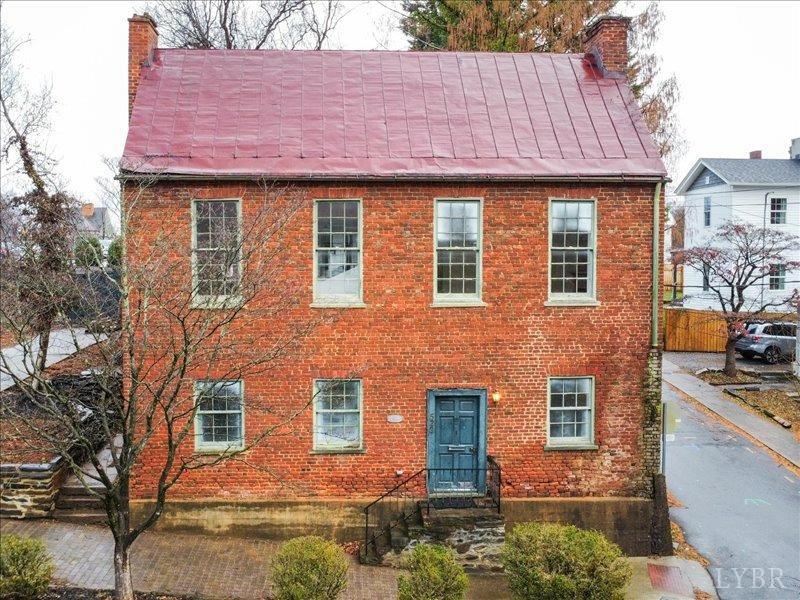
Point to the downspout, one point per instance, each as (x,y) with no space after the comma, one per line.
(656,269)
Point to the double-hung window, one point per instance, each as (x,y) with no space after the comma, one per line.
(219,417)
(777,277)
(216,252)
(706,277)
(777,211)
(337,414)
(707,211)
(572,249)
(458,250)
(571,411)
(337,251)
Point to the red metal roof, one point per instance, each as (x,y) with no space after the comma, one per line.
(385,114)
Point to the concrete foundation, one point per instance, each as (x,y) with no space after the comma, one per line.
(626,521)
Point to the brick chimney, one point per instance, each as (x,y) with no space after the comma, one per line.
(87,209)
(606,44)
(142,41)
(755,154)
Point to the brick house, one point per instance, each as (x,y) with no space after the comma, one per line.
(484,227)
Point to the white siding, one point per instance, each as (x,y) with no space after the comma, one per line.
(738,203)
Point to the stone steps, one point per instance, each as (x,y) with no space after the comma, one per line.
(74,515)
(476,535)
(83,502)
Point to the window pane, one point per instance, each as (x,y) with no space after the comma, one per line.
(456,271)
(571,408)
(219,413)
(338,256)
(338,417)
(572,227)
(457,227)
(217,252)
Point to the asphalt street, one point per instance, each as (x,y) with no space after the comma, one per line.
(742,509)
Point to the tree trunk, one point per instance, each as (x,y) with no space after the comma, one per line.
(123,584)
(41,356)
(730,358)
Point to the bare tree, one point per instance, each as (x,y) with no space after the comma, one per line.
(676,230)
(43,244)
(187,316)
(283,24)
(737,263)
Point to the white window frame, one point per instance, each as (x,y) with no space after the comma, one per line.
(215,301)
(780,214)
(572,299)
(321,301)
(706,275)
(573,442)
(215,447)
(343,448)
(707,203)
(779,278)
(459,300)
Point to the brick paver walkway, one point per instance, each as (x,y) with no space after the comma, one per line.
(186,564)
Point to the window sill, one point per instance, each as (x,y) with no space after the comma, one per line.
(338,451)
(217,303)
(572,302)
(569,447)
(339,304)
(472,303)
(225,450)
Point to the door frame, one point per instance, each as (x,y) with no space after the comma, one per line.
(432,394)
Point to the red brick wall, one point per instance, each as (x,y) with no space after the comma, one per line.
(400,346)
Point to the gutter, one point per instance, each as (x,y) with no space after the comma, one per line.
(656,255)
(125,176)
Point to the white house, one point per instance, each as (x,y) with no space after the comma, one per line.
(764,192)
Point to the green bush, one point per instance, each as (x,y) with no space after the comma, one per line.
(433,574)
(25,567)
(115,253)
(561,562)
(88,252)
(309,568)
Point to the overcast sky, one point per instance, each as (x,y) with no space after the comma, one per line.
(737,63)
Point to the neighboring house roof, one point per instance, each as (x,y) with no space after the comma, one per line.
(335,114)
(95,220)
(745,171)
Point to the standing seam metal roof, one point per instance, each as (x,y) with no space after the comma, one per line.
(385,114)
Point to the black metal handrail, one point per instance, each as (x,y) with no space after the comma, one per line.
(402,498)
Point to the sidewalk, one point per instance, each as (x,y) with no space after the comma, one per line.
(228,567)
(775,438)
(20,358)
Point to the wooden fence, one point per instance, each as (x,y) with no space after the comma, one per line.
(687,330)
(693,330)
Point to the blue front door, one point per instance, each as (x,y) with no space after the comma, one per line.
(456,441)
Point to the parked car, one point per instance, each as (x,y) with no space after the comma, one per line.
(774,342)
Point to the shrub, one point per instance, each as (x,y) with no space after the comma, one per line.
(434,575)
(88,252)
(25,567)
(309,568)
(554,562)
(115,253)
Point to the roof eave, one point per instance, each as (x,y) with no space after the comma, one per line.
(688,180)
(616,178)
